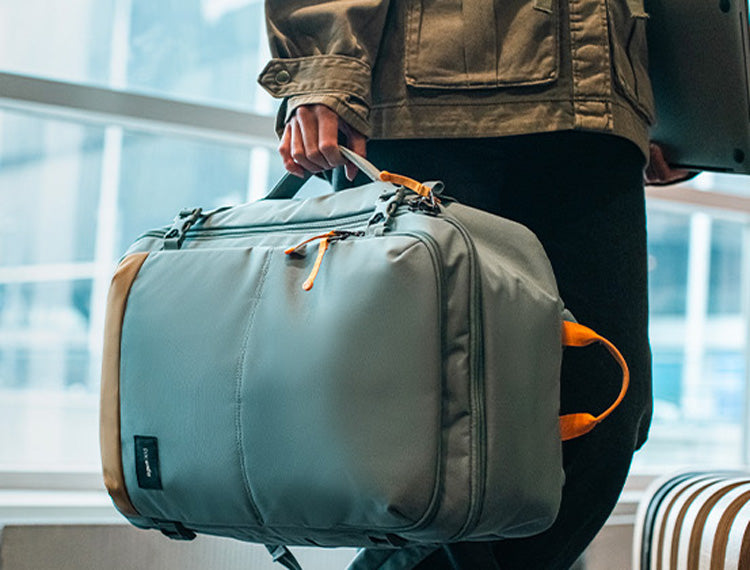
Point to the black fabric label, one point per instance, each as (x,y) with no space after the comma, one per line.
(147,462)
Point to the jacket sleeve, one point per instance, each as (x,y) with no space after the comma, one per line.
(323,52)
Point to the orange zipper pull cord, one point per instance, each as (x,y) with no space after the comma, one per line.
(407,182)
(291,250)
(325,241)
(322,248)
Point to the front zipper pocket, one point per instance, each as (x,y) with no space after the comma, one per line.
(199,232)
(273,405)
(341,414)
(181,350)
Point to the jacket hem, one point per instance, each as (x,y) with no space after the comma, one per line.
(508,119)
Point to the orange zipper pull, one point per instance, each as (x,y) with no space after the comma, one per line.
(326,240)
(322,248)
(291,250)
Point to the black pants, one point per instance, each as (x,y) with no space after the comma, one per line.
(582,194)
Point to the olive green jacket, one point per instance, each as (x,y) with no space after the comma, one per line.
(464,68)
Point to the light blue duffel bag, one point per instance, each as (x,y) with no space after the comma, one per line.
(373,367)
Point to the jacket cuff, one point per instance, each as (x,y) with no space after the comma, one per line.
(339,82)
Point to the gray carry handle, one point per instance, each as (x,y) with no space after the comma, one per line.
(290,184)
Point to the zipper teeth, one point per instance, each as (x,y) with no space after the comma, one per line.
(434,250)
(477,396)
(239,231)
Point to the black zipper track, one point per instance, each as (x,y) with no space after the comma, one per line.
(248,230)
(479,428)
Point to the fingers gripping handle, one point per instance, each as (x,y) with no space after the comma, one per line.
(360,162)
(577,424)
(289,185)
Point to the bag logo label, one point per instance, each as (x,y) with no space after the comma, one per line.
(147,462)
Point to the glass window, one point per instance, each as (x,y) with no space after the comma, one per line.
(74,198)
(725,277)
(70,40)
(208,51)
(698,339)
(161,176)
(668,244)
(67,186)
(667,369)
(48,394)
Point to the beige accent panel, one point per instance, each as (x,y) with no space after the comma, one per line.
(109,419)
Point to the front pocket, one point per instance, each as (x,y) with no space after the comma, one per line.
(627,31)
(341,392)
(475,44)
(270,404)
(181,345)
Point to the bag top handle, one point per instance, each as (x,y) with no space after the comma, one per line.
(290,184)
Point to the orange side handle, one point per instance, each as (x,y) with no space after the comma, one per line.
(578,424)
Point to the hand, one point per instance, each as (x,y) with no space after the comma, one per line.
(659,173)
(310,141)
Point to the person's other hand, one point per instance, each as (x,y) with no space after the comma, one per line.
(659,173)
(311,138)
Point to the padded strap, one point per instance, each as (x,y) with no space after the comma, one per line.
(575,425)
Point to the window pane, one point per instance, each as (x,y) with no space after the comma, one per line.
(668,258)
(698,336)
(44,330)
(75,197)
(69,40)
(725,277)
(207,51)
(50,176)
(161,176)
(47,385)
(710,435)
(667,370)
(726,369)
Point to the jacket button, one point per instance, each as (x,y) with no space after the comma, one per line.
(283,77)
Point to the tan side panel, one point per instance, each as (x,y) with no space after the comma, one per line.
(109,418)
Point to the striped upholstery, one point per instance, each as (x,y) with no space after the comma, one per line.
(694,521)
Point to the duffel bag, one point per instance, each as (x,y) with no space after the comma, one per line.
(373,367)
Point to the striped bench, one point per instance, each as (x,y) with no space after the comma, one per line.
(694,521)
